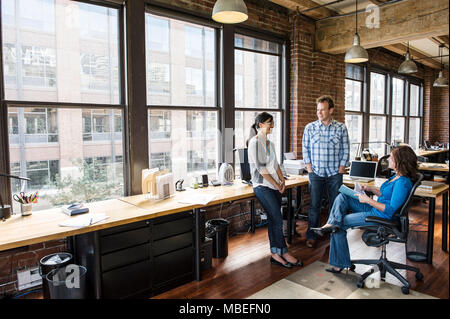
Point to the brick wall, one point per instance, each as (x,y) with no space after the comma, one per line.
(436,115)
(21,258)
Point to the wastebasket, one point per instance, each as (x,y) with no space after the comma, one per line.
(68,282)
(50,262)
(217,229)
(416,245)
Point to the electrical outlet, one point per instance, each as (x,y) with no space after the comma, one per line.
(28,278)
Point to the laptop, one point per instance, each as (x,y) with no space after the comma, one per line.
(363,171)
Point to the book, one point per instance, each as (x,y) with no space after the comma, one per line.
(83,221)
(74,209)
(350,192)
(430,185)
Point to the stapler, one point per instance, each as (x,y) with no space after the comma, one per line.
(179,185)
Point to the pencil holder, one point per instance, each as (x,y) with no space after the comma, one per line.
(26,209)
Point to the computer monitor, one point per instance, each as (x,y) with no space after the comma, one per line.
(364,170)
(244,165)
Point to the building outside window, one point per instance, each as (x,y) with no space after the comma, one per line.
(258,64)
(68,65)
(181,73)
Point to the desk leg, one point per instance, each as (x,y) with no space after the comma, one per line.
(431,212)
(252,215)
(198,274)
(288,215)
(444,221)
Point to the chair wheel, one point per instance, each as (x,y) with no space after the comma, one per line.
(360,284)
(419,276)
(405,290)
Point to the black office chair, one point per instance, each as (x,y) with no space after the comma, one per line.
(383,169)
(385,231)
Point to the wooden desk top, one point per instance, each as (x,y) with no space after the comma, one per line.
(43,225)
(419,192)
(430,152)
(435,167)
(18,230)
(237,191)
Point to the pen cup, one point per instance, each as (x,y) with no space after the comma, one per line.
(26,209)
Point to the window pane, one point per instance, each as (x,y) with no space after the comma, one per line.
(354,127)
(398,129)
(354,72)
(257,83)
(243,122)
(397,96)
(377,134)
(50,147)
(352,95)
(185,142)
(377,92)
(414,133)
(74,58)
(414,100)
(246,42)
(180,63)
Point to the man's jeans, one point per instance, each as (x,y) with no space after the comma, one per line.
(271,202)
(317,185)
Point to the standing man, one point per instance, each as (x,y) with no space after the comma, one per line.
(326,152)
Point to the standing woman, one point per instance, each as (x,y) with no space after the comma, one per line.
(268,185)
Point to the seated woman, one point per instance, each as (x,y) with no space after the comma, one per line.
(391,196)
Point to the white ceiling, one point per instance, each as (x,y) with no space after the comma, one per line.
(425,46)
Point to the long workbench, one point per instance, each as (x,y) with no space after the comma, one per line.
(132,215)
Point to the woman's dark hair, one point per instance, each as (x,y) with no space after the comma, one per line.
(406,161)
(260,118)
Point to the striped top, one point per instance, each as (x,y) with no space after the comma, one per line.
(326,147)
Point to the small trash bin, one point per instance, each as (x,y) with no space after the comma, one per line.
(49,263)
(217,229)
(416,245)
(68,282)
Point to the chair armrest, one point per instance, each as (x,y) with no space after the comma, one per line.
(382,221)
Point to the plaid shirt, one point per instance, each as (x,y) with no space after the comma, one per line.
(326,147)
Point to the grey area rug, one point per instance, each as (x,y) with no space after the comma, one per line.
(313,282)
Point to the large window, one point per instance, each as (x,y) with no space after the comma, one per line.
(257,88)
(354,82)
(74,113)
(181,72)
(393,114)
(65,56)
(415,122)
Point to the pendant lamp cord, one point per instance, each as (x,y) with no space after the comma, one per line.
(356,14)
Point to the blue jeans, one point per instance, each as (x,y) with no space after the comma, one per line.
(271,202)
(339,251)
(317,185)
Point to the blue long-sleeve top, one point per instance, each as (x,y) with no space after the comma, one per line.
(393,195)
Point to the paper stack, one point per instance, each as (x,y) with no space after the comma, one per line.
(294,167)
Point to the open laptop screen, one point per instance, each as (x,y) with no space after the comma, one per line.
(365,169)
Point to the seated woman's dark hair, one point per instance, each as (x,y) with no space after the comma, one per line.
(260,118)
(406,161)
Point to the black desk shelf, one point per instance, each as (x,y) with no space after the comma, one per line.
(138,260)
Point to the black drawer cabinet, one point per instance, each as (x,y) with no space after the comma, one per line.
(140,259)
(127,281)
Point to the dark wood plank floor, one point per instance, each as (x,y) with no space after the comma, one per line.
(247,270)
